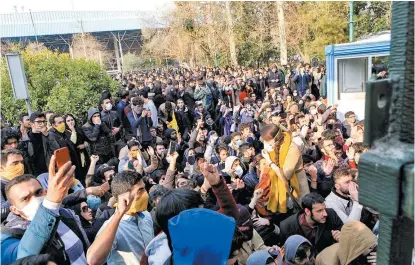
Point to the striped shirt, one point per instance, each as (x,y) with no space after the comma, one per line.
(73,245)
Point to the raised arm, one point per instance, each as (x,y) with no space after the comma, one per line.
(101,248)
(226,202)
(154,162)
(193,136)
(168,181)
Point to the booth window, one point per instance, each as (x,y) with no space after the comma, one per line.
(352,74)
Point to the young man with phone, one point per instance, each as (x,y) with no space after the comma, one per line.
(52,229)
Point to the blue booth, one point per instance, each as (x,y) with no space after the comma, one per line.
(349,66)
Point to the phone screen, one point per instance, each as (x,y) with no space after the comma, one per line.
(172,148)
(62,156)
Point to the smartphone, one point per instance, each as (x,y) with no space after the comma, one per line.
(172,147)
(62,156)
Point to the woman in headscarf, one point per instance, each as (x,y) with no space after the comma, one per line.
(286,176)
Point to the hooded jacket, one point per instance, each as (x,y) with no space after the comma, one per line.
(291,246)
(98,135)
(355,239)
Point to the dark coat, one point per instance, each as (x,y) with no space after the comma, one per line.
(47,146)
(324,238)
(273,77)
(144,123)
(112,120)
(80,139)
(188,99)
(61,140)
(99,136)
(301,82)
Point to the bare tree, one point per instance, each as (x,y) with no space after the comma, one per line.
(281,28)
(232,45)
(87,46)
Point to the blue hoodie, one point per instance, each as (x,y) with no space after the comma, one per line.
(290,247)
(201,236)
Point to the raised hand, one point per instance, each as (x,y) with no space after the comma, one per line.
(353,191)
(150,151)
(312,170)
(59,182)
(328,166)
(94,158)
(97,191)
(240,184)
(124,202)
(210,172)
(350,153)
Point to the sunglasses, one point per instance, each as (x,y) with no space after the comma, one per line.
(85,208)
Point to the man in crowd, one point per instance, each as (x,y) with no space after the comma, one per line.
(99,136)
(344,198)
(123,238)
(52,229)
(293,136)
(320,225)
(39,151)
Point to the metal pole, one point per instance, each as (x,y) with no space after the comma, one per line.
(120,46)
(29,106)
(351,22)
(34,27)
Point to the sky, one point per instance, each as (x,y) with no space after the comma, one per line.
(10,6)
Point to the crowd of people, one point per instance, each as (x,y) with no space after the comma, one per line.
(190,166)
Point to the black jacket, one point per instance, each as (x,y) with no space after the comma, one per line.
(99,136)
(112,120)
(47,147)
(291,226)
(60,140)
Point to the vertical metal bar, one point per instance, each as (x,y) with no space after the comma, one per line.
(351,22)
(34,27)
(120,46)
(29,106)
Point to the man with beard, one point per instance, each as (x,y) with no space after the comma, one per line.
(344,197)
(320,225)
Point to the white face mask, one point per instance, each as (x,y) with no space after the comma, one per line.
(268,147)
(239,171)
(31,208)
(108,106)
(313,111)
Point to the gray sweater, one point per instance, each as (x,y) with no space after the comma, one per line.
(346,208)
